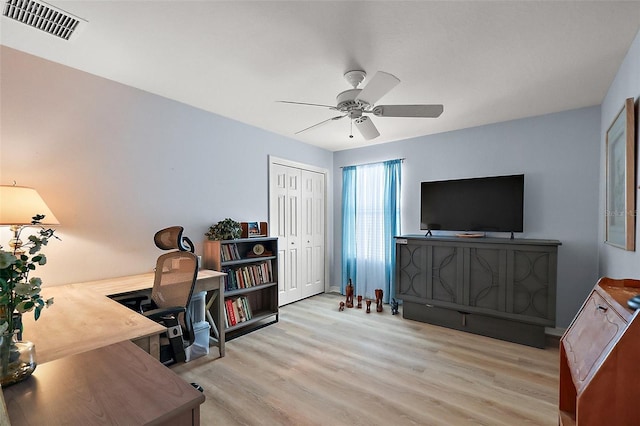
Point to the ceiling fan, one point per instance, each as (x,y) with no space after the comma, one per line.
(355,103)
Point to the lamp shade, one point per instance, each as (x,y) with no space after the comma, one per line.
(18,205)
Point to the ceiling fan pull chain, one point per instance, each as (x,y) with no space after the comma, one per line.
(351,131)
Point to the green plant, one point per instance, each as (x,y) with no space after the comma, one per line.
(19,292)
(227,229)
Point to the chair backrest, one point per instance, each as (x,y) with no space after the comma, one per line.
(171,238)
(175,278)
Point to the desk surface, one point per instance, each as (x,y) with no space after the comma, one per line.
(207,280)
(71,390)
(81,320)
(111,286)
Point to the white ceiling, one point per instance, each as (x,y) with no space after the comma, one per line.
(485,61)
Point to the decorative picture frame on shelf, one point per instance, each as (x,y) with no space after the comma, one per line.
(254,229)
(620,213)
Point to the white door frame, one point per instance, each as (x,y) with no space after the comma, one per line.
(325,173)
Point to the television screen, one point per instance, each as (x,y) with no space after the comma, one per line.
(487,204)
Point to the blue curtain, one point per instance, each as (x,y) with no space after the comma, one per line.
(370,220)
(391,221)
(348,226)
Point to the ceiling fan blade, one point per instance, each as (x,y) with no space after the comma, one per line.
(381,83)
(367,128)
(321,123)
(305,103)
(424,111)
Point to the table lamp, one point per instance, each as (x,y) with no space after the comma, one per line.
(18,206)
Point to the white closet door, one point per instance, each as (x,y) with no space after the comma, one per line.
(285,204)
(297,215)
(313,214)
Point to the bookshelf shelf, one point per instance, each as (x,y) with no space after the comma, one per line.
(251,290)
(241,291)
(257,318)
(248,260)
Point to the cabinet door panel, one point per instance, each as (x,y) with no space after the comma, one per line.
(411,273)
(445,274)
(486,278)
(533,284)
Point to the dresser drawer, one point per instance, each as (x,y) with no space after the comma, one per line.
(591,337)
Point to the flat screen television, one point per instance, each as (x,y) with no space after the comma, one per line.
(486,204)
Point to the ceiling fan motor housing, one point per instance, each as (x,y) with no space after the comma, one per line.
(346,101)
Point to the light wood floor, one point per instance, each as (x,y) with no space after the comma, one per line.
(319,366)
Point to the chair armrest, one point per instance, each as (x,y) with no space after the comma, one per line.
(156,314)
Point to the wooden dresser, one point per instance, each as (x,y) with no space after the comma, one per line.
(600,359)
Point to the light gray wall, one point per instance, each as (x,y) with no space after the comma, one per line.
(559,155)
(115,164)
(615,262)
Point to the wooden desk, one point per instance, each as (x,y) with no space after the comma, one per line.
(116,384)
(81,320)
(208,280)
(85,334)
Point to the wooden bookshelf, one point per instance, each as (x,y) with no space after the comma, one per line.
(599,365)
(251,281)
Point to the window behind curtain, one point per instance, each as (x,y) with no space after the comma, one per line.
(370,220)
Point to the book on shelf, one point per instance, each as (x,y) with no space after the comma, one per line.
(237,304)
(231,312)
(237,310)
(247,308)
(247,276)
(229,252)
(243,306)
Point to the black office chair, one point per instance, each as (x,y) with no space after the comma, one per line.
(175,278)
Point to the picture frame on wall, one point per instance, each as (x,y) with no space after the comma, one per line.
(621,210)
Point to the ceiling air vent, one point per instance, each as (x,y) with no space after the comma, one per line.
(43,16)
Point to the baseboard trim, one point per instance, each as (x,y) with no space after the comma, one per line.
(334,289)
(555,331)
(553,336)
